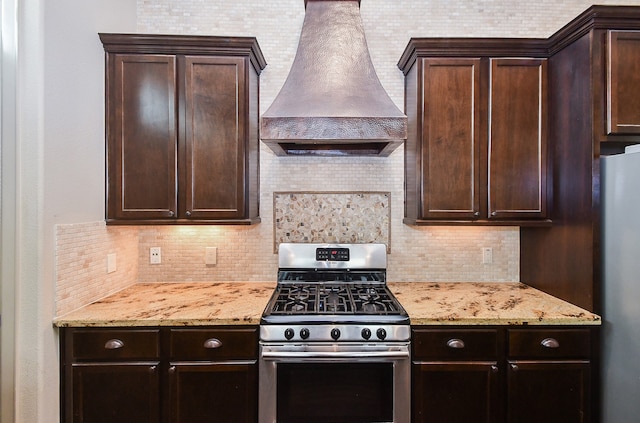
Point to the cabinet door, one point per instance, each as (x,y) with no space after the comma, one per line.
(142,137)
(215,137)
(623,80)
(213,392)
(548,391)
(122,393)
(451,139)
(517,139)
(455,392)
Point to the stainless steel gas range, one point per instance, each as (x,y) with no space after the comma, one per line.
(334,341)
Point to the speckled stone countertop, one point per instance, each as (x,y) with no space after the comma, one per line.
(176,304)
(242,303)
(486,304)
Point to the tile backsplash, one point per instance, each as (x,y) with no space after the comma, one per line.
(336,217)
(445,254)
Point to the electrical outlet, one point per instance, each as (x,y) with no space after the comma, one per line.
(211,256)
(155,255)
(487,255)
(111,263)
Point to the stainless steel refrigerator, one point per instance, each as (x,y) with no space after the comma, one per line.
(620,189)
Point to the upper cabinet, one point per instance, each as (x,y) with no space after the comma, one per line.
(476,151)
(623,80)
(182,129)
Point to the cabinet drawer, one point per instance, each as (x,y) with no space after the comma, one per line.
(214,344)
(455,344)
(549,343)
(110,344)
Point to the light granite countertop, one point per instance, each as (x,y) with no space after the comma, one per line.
(176,304)
(242,303)
(486,304)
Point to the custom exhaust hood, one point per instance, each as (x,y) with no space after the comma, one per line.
(332,103)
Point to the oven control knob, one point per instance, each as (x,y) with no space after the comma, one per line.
(381,334)
(335,333)
(288,333)
(366,333)
(304,333)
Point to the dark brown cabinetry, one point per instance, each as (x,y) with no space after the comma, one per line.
(455,376)
(502,375)
(182,129)
(159,375)
(477,144)
(594,76)
(549,376)
(213,375)
(623,80)
(111,376)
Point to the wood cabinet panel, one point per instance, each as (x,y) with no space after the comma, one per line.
(214,344)
(454,344)
(141,136)
(549,343)
(549,391)
(215,137)
(110,392)
(451,138)
(129,344)
(623,80)
(217,392)
(518,140)
(459,392)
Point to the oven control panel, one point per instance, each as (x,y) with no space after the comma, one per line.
(332,254)
(333,333)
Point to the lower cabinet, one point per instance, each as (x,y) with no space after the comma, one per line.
(159,375)
(502,375)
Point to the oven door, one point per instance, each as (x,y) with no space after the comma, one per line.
(338,383)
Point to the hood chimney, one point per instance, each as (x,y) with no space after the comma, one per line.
(332,102)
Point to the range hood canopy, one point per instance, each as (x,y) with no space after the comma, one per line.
(332,102)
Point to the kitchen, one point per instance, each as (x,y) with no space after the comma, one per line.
(63,58)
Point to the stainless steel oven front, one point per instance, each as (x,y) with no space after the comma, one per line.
(335,382)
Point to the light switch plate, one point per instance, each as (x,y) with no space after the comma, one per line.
(111,263)
(211,256)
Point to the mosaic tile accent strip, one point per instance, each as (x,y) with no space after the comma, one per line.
(337,217)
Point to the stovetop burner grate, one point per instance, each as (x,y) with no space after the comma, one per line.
(330,298)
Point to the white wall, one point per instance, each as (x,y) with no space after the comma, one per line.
(59,174)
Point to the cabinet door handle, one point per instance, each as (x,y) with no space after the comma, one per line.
(455,343)
(476,214)
(494,368)
(514,367)
(188,213)
(171,213)
(212,343)
(550,343)
(113,344)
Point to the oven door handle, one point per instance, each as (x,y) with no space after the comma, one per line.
(276,355)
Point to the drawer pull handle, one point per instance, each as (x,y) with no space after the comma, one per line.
(455,343)
(212,343)
(550,343)
(113,344)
